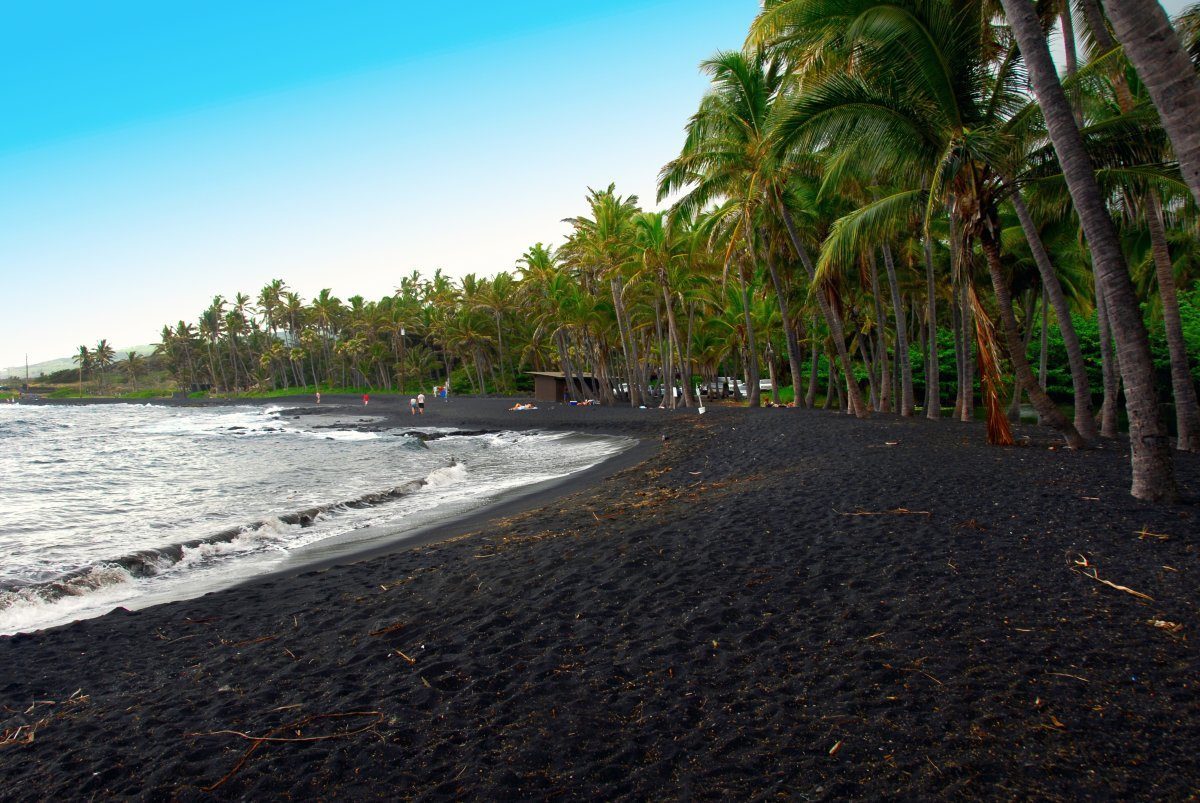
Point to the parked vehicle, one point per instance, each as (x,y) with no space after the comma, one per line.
(724,382)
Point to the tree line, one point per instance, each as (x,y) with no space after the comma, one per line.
(862,181)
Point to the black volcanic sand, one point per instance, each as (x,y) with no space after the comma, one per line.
(776,603)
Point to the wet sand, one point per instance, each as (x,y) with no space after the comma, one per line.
(771,603)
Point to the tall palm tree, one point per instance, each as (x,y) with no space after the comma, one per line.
(661,251)
(1152,464)
(923,93)
(134,364)
(103,357)
(1164,66)
(82,358)
(604,242)
(731,153)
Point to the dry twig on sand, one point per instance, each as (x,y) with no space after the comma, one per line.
(259,741)
(1162,624)
(900,511)
(247,642)
(25,734)
(1082,564)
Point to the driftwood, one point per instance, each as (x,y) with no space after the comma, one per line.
(1145,533)
(271,738)
(1082,564)
(25,734)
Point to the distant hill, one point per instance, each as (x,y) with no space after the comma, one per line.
(50,366)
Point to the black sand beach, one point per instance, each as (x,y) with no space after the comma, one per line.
(772,603)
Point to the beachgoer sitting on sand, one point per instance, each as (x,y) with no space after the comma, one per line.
(519,406)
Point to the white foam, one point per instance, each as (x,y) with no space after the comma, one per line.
(446,476)
(96,591)
(267,534)
(336,434)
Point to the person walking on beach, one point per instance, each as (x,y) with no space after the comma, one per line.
(445,393)
(366,398)
(421,403)
(318,397)
(412,406)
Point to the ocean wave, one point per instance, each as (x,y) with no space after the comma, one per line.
(270,533)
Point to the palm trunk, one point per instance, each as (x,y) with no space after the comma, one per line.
(627,345)
(1016,351)
(832,319)
(933,401)
(872,380)
(233,360)
(810,397)
(1085,421)
(907,399)
(1187,412)
(1153,47)
(960,331)
(885,371)
(1110,372)
(1153,468)
(1014,406)
(968,318)
(673,334)
(1044,347)
(789,332)
(751,343)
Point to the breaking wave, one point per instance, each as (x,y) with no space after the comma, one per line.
(267,534)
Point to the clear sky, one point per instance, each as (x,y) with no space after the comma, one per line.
(154,154)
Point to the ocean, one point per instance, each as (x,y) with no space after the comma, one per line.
(132,505)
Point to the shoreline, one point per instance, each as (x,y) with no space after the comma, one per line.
(381,539)
(510,503)
(776,603)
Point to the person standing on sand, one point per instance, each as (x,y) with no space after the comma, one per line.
(318,397)
(445,393)
(366,398)
(412,406)
(421,403)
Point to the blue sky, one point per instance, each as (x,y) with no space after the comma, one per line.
(157,154)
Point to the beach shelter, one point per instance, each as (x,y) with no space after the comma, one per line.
(551,386)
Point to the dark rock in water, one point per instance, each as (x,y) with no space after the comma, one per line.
(121,610)
(234,429)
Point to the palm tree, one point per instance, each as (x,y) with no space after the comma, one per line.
(326,312)
(661,250)
(1168,74)
(604,242)
(731,153)
(212,326)
(134,364)
(907,100)
(102,358)
(1153,468)
(496,298)
(185,337)
(83,358)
